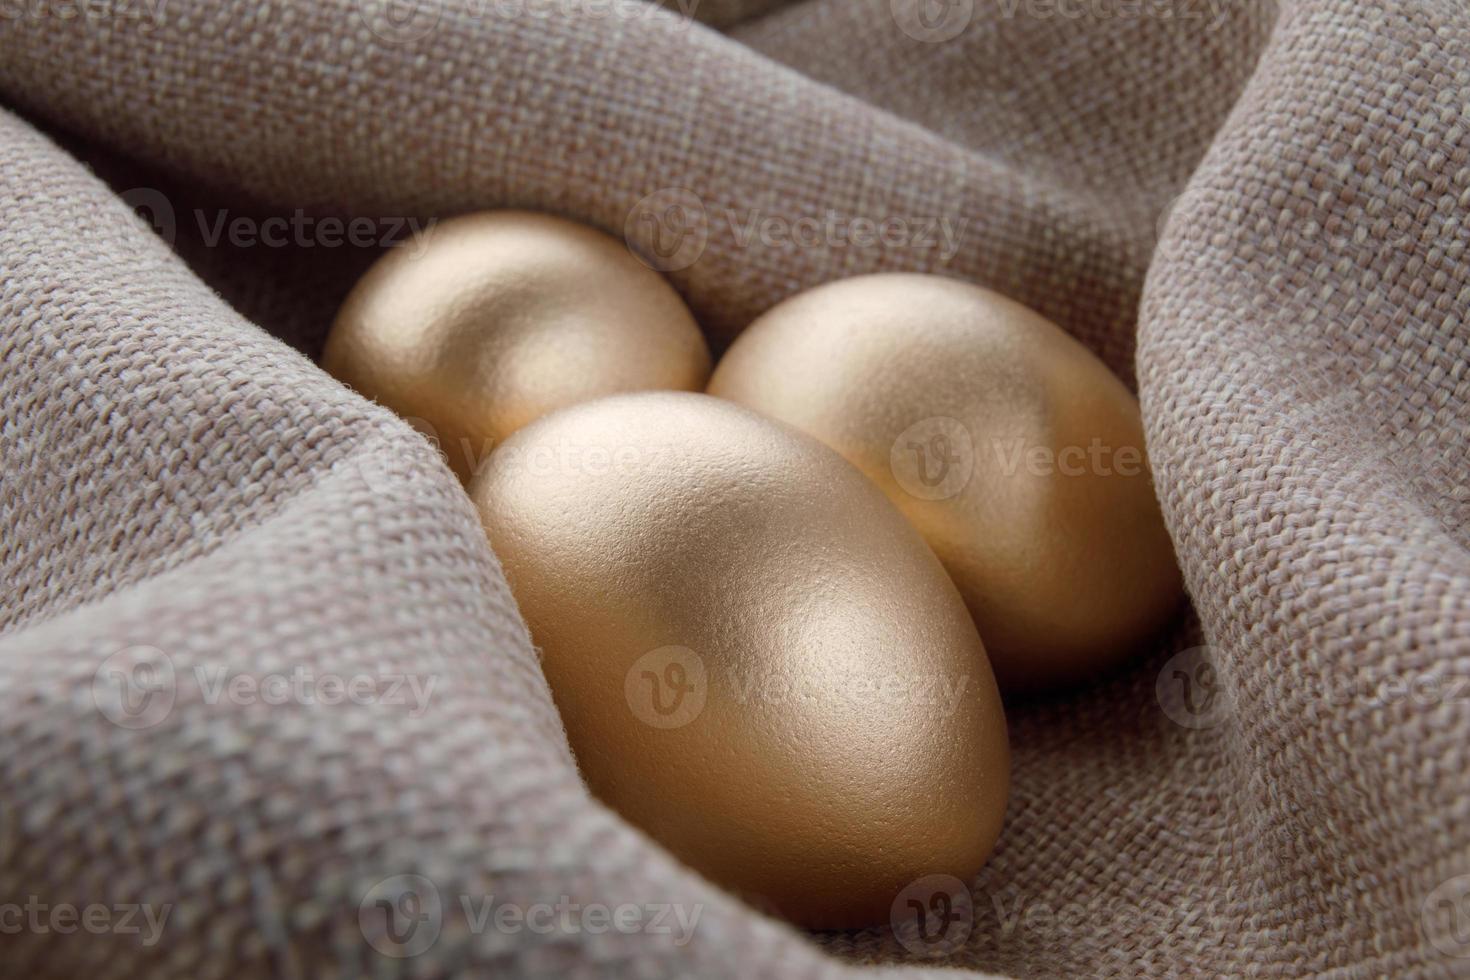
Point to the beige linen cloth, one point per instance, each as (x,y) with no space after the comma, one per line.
(1258,214)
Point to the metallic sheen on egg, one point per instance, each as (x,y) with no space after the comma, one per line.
(1016,453)
(758,660)
(497,318)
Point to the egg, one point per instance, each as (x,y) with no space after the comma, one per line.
(757,659)
(494,319)
(1016,453)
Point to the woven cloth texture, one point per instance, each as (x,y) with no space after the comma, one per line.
(1257,214)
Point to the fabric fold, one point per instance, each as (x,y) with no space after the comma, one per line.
(1257,214)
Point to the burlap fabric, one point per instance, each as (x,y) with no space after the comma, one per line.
(1259,215)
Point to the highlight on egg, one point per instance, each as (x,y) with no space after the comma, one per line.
(503,316)
(1016,453)
(757,659)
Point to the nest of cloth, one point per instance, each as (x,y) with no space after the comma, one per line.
(1254,213)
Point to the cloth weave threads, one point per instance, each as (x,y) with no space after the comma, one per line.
(1256,214)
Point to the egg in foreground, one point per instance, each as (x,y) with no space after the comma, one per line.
(499,317)
(1016,452)
(757,659)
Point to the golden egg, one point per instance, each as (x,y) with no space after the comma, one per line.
(497,318)
(758,661)
(1013,450)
